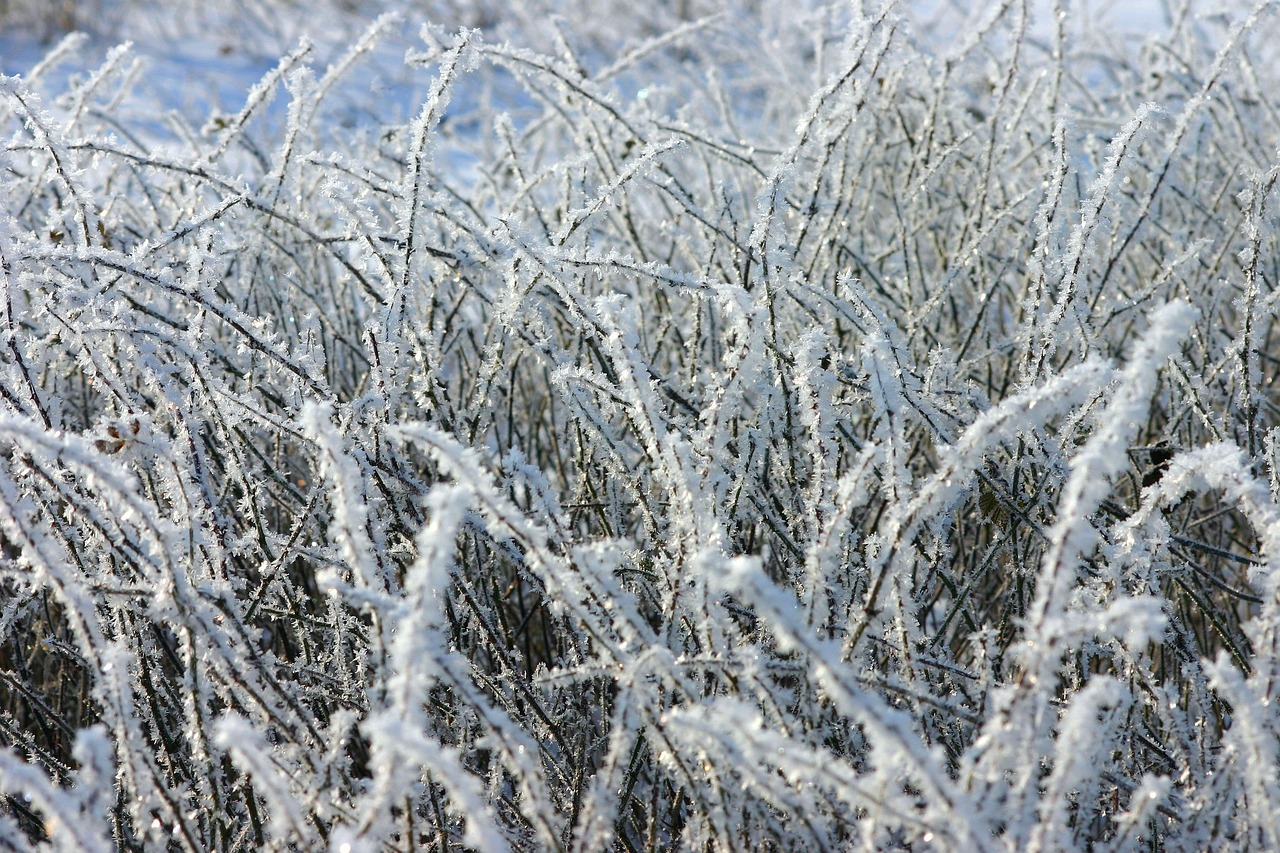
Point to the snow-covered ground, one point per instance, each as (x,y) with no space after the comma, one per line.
(203,57)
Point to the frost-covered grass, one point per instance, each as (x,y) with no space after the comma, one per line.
(743,426)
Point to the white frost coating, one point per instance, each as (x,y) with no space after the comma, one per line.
(74,819)
(252,753)
(400,748)
(890,730)
(688,426)
(1086,725)
(351,521)
(1103,456)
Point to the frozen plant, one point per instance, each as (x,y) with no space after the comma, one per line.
(765,427)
